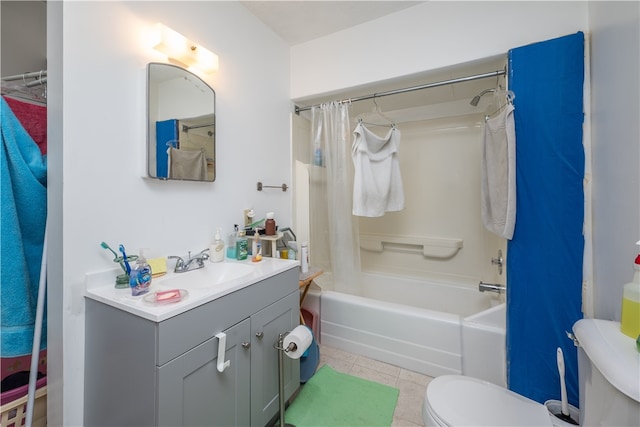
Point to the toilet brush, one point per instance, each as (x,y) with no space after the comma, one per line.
(564,412)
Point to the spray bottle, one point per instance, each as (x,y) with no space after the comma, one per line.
(630,318)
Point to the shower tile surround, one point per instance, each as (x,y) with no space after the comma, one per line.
(412,385)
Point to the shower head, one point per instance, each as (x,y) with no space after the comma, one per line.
(476,99)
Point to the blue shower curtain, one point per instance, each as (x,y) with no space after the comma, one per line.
(544,268)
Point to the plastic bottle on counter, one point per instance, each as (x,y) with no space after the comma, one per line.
(140,276)
(304,257)
(242,246)
(217,248)
(270,225)
(630,318)
(231,244)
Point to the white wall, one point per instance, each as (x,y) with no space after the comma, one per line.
(104,198)
(426,37)
(615,110)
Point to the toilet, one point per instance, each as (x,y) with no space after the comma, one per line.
(608,375)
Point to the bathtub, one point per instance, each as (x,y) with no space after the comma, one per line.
(414,324)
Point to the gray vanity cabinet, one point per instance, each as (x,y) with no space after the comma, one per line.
(206,394)
(144,373)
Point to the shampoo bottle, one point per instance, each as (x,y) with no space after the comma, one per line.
(630,318)
(217,248)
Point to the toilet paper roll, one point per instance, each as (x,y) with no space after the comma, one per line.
(301,338)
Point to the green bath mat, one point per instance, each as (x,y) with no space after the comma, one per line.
(332,398)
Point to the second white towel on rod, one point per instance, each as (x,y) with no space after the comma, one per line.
(498,188)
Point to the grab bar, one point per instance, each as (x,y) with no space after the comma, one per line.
(490,287)
(429,247)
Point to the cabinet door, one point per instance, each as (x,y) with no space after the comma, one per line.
(266,325)
(191,391)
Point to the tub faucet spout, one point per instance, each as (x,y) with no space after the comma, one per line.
(490,287)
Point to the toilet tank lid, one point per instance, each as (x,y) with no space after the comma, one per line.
(612,352)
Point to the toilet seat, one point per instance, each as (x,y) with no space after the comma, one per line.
(457,400)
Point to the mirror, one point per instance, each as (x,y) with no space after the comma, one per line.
(181,128)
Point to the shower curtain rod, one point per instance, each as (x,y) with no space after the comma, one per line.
(411,89)
(31,75)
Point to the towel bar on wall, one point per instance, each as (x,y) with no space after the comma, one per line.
(430,247)
(283,186)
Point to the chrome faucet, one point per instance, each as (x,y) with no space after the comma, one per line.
(491,287)
(192,263)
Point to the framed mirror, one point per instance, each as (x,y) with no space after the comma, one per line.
(181,125)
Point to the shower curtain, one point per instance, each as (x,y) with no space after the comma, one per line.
(334,242)
(545,256)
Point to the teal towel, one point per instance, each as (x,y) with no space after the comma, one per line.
(23,194)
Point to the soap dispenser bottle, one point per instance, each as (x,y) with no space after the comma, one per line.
(630,317)
(242,246)
(140,276)
(217,248)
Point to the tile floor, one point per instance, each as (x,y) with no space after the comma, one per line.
(412,385)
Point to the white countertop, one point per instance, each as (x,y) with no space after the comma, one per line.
(100,286)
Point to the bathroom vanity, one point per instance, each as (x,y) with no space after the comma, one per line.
(160,365)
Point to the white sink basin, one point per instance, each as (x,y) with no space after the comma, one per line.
(212,275)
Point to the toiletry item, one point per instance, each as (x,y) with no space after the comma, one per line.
(242,246)
(293,250)
(165,297)
(231,244)
(125,259)
(630,318)
(172,295)
(216,250)
(105,246)
(257,252)
(255,242)
(270,225)
(317,151)
(158,266)
(284,253)
(304,257)
(140,277)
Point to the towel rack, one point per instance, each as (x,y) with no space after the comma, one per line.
(261,186)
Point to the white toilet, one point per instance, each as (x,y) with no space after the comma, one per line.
(608,375)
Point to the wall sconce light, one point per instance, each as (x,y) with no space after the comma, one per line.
(179,48)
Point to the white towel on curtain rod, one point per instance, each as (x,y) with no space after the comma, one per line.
(498,188)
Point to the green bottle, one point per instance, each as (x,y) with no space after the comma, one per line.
(242,246)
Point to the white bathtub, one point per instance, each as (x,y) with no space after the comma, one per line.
(410,323)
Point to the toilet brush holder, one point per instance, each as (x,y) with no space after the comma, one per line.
(557,419)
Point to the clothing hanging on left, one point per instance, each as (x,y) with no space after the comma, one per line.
(377,184)
(23,194)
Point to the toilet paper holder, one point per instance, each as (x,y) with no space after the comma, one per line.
(291,347)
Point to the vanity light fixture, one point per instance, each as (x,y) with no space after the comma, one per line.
(179,48)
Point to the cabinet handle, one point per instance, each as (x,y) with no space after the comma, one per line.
(259,335)
(246,345)
(222,347)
